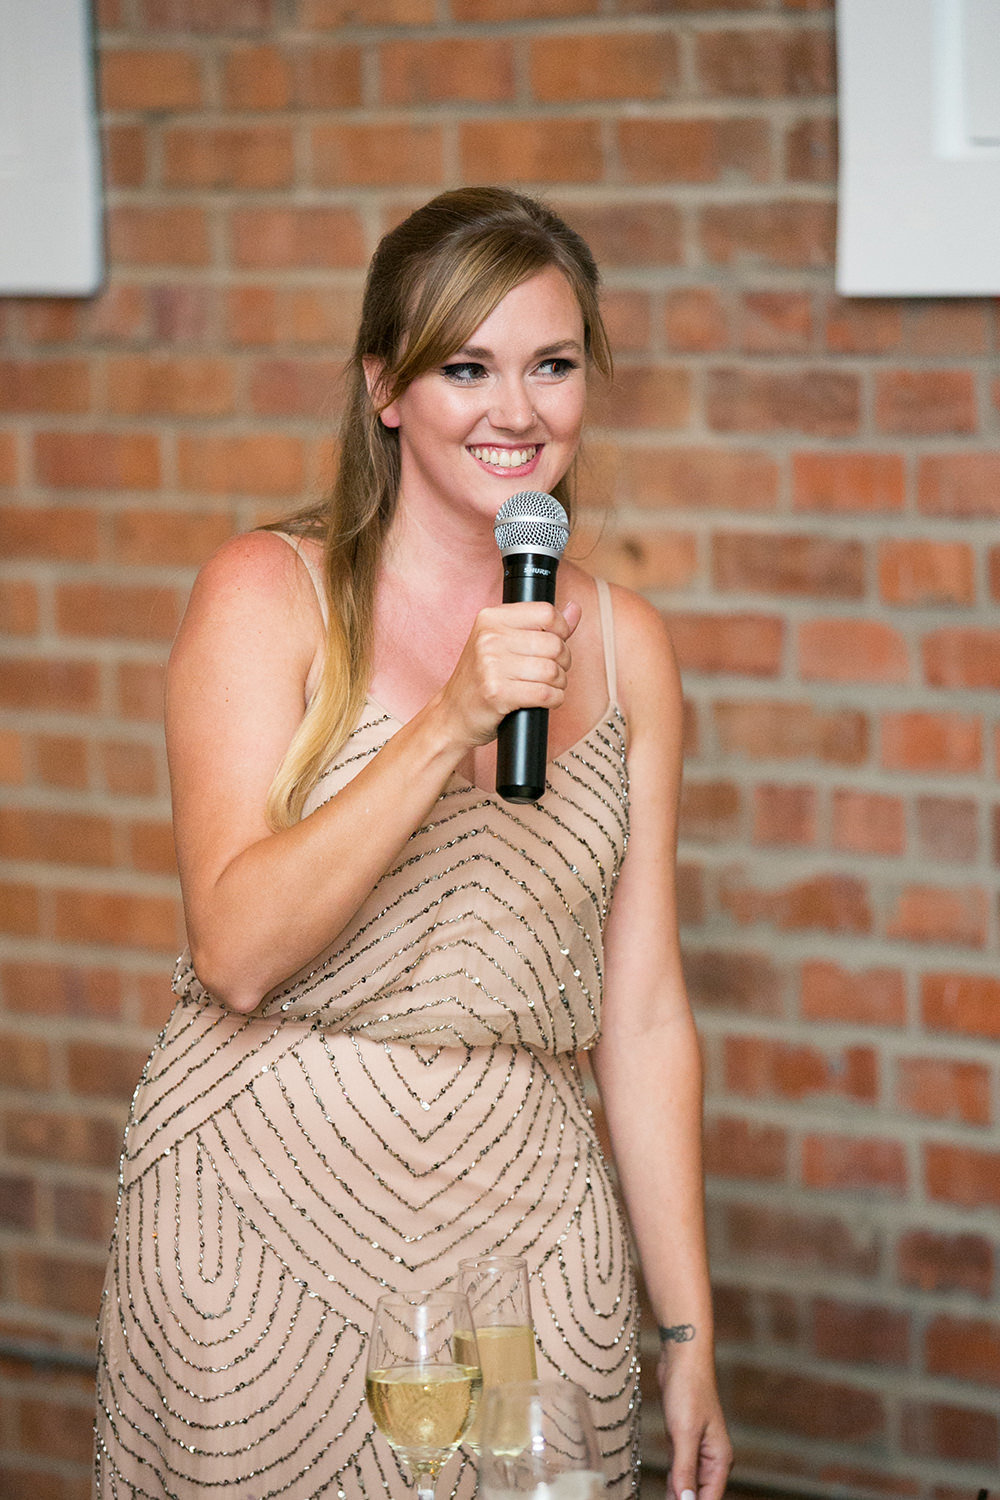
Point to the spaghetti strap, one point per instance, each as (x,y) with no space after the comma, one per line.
(312,570)
(608,637)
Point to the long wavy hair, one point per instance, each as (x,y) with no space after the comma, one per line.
(432,281)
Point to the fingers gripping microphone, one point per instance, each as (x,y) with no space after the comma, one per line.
(531,531)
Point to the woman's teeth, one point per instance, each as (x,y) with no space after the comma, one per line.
(505,458)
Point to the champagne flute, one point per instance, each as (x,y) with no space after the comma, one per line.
(537,1439)
(497,1289)
(421,1389)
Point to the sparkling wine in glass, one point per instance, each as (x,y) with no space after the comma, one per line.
(497,1289)
(422,1389)
(537,1440)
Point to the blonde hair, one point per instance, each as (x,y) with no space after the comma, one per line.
(432,281)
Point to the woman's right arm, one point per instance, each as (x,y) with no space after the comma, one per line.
(259,904)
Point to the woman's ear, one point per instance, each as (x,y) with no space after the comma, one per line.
(375,379)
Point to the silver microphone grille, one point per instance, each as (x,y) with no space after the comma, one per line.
(531,522)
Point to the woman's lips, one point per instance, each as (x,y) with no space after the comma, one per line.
(507,460)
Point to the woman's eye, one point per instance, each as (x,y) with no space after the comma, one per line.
(556,368)
(464,372)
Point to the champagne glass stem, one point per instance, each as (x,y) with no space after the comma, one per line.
(425,1487)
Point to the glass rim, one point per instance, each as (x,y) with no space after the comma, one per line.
(502,1262)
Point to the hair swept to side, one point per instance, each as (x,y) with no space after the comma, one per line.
(432,281)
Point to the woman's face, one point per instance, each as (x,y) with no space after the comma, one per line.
(504,412)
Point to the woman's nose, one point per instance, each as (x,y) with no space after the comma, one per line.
(511,408)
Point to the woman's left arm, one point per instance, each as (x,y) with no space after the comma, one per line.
(648,1065)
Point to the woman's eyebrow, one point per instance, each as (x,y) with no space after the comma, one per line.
(474,351)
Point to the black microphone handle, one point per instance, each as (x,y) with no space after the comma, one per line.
(522,737)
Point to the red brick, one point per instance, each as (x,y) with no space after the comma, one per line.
(824,403)
(383,153)
(866,326)
(940,914)
(693,150)
(260,77)
(694,479)
(261,464)
(848,482)
(436,72)
(299,386)
(943,1090)
(128,768)
(83,1214)
(55,1136)
(957,657)
(765,64)
(18,1205)
(126,155)
(62,760)
(690,894)
(337,13)
(744,643)
(19,613)
(925,741)
(630,233)
(98,1070)
(962,1176)
(932,1261)
(804,1406)
(330,77)
(864,1334)
(784,815)
(917,402)
(852,651)
(12,758)
(140,690)
(49,685)
(948,326)
(762,1068)
(765,729)
(787,564)
(249,156)
(738,1148)
(141,236)
(624,65)
(993,559)
(530,151)
(638,558)
(959,484)
(24,1062)
(163,538)
(948,829)
(776,323)
(968,1004)
(791,235)
(44,385)
(868,822)
(832,903)
(868,997)
(695,320)
(648,396)
(160,78)
(208,15)
(8,459)
(56,837)
(309,236)
(628,319)
(710,810)
(964,1348)
(50,989)
(122,919)
(57,1282)
(56,1429)
(926,572)
(151,847)
(118,611)
(810,151)
(854,1164)
(736,980)
(521,10)
(293,315)
(936,1430)
(98,460)
(782,1237)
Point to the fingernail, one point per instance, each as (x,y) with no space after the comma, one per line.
(688,1495)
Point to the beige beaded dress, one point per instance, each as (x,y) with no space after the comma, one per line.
(410,1098)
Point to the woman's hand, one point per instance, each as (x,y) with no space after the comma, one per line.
(701,1453)
(516,656)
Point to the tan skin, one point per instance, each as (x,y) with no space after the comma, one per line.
(450,661)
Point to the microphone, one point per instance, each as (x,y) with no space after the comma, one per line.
(531,531)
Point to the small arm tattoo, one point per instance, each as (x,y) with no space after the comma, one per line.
(680,1333)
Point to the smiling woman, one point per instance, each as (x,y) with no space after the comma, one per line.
(370,1071)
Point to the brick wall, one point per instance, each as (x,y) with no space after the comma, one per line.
(808,486)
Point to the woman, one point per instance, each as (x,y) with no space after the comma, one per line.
(370,1069)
